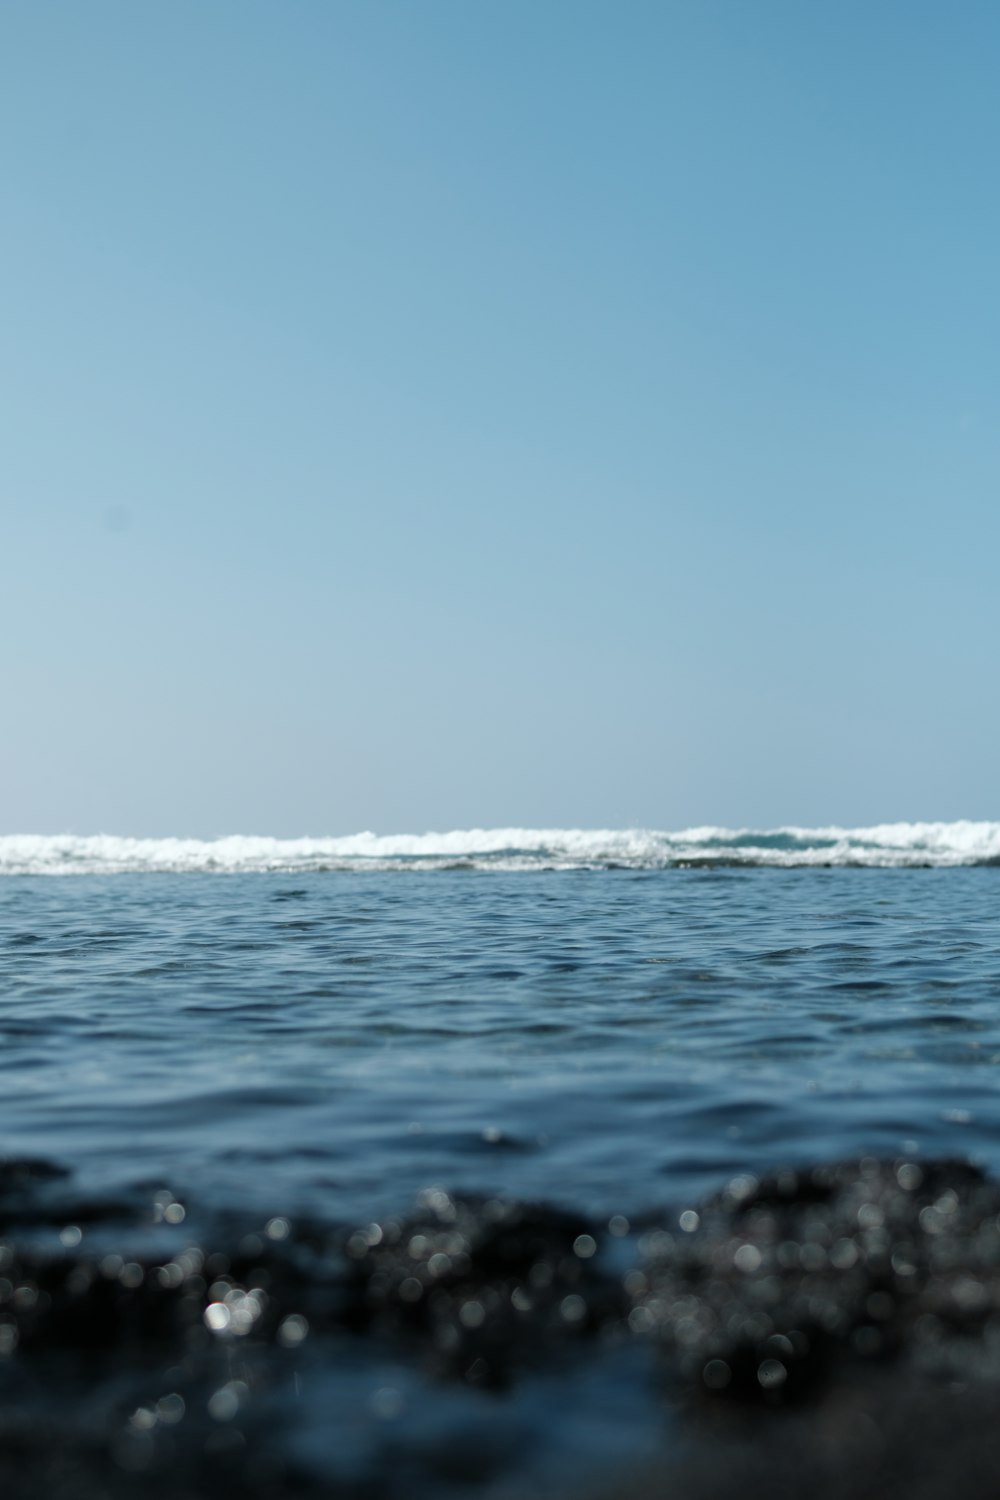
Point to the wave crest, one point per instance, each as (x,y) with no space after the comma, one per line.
(883,845)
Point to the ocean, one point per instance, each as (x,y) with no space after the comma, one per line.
(252,1088)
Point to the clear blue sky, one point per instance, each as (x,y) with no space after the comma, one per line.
(454,412)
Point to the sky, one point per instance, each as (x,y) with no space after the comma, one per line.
(424,414)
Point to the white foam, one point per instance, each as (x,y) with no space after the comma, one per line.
(886,844)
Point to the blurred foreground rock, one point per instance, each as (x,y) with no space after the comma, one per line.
(836,1329)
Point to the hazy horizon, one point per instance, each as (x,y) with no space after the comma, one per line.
(320,835)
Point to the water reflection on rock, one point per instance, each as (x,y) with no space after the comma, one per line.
(311,1358)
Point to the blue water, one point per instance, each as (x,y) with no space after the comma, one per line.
(615,1040)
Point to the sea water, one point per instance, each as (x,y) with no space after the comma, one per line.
(608,1023)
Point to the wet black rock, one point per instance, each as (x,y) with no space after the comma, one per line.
(773,1286)
(139,1355)
(485,1282)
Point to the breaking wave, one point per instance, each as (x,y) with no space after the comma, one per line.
(884,845)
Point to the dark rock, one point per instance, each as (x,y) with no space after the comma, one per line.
(771,1286)
(486,1282)
(870,1286)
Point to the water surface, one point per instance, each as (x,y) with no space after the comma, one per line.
(614,1039)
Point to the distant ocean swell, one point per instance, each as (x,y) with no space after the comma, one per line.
(511,849)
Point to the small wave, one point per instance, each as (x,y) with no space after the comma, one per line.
(510,849)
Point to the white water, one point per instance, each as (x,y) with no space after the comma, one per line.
(887,844)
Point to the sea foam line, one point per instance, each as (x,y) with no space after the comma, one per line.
(882,845)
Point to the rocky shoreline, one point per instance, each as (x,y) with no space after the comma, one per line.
(838,1326)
